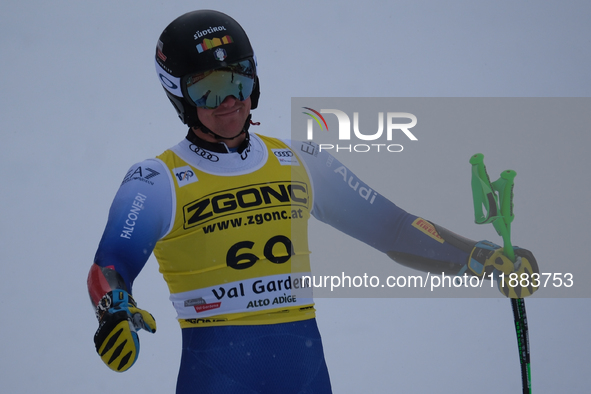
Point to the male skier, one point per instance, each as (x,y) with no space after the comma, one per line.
(225,212)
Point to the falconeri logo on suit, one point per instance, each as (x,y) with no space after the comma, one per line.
(184,175)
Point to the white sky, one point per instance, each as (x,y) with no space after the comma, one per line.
(80,103)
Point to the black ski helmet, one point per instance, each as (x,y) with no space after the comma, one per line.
(188,45)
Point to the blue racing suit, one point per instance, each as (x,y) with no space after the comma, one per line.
(229,231)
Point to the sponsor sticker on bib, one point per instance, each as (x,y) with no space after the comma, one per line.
(184,176)
(285,157)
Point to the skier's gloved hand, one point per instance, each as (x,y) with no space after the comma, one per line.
(487,257)
(116,339)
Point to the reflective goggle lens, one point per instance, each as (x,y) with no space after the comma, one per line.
(210,88)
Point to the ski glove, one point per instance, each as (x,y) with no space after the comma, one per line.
(487,257)
(116,339)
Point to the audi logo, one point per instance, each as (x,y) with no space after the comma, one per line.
(283,153)
(205,154)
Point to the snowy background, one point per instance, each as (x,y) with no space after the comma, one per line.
(80,103)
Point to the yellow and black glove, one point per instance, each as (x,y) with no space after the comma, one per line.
(116,339)
(487,257)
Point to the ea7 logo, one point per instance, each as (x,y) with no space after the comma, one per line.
(245,199)
(345,124)
(140,173)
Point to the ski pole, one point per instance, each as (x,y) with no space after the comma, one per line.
(497,200)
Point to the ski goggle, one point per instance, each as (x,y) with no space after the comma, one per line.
(208,89)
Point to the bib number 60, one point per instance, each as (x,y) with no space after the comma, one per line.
(246,260)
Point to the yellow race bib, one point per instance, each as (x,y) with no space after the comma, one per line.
(238,252)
